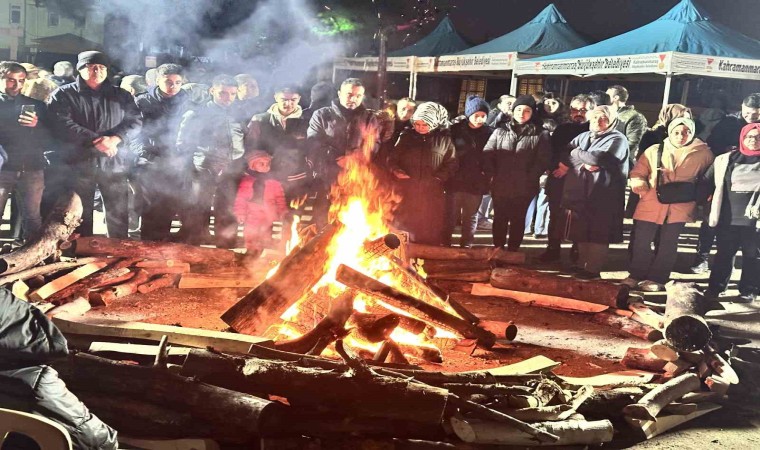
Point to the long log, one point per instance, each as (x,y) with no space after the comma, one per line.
(685,326)
(240,413)
(209,280)
(57,227)
(471,276)
(649,406)
(126,248)
(431,266)
(569,432)
(330,328)
(600,292)
(428,252)
(337,391)
(295,276)
(370,286)
(374,327)
(47,269)
(629,326)
(642,359)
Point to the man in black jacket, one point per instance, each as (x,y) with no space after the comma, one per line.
(160,170)
(29,342)
(563,134)
(95,122)
(212,138)
(24,136)
(335,132)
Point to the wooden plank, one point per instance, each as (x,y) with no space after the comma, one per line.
(535,364)
(169,444)
(192,337)
(645,315)
(65,281)
(622,378)
(540,300)
(205,280)
(661,424)
(135,349)
(20,290)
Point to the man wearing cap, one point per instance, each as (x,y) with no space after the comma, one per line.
(95,121)
(24,136)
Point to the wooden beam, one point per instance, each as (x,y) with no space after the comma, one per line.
(65,281)
(540,300)
(652,428)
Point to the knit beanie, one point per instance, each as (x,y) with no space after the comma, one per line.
(91,57)
(257,154)
(475,104)
(525,100)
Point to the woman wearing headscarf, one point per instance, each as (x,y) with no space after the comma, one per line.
(679,158)
(734,213)
(659,131)
(513,159)
(594,192)
(421,162)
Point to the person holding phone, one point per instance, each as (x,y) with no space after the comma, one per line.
(24,136)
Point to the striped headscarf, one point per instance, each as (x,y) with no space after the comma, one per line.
(433,114)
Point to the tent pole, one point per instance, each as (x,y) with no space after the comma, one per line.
(685,92)
(666,95)
(513,85)
(567,90)
(412,72)
(335,74)
(413,86)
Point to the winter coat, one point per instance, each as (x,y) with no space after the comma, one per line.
(213,136)
(29,341)
(633,125)
(496,118)
(725,134)
(335,132)
(694,160)
(515,162)
(653,136)
(469,143)
(24,145)
(596,199)
(719,177)
(287,145)
(429,160)
(79,115)
(563,134)
(252,206)
(161,119)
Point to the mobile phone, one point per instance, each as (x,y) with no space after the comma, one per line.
(27,109)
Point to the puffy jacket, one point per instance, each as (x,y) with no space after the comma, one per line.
(213,135)
(633,125)
(80,115)
(469,144)
(514,162)
(694,160)
(425,156)
(24,145)
(725,134)
(161,119)
(252,206)
(30,340)
(335,132)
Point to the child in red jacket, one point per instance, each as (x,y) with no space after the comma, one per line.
(259,202)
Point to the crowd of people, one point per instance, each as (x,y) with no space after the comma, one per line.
(530,164)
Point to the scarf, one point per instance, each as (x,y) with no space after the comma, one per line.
(743,148)
(604,109)
(669,113)
(681,121)
(275,112)
(433,114)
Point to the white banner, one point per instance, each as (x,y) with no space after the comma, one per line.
(394,64)
(482,61)
(715,66)
(644,63)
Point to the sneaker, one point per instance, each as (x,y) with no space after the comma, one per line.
(744,298)
(550,255)
(630,282)
(700,266)
(485,225)
(650,286)
(586,275)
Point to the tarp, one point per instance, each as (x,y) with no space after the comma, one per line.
(444,40)
(545,34)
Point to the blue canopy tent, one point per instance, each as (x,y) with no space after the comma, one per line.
(444,40)
(684,41)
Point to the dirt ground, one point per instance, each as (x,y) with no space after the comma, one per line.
(583,348)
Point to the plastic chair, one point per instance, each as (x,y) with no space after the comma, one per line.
(48,434)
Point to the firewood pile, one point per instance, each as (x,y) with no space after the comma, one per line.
(244,387)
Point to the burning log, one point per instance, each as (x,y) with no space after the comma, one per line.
(370,286)
(338,391)
(161,281)
(107,296)
(685,326)
(629,326)
(642,359)
(237,417)
(126,248)
(117,273)
(57,227)
(374,327)
(49,269)
(569,432)
(429,252)
(429,354)
(651,404)
(297,273)
(600,292)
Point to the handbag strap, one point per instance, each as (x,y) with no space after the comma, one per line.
(659,163)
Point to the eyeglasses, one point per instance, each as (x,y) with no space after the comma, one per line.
(582,110)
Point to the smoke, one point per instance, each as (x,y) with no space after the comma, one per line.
(273,40)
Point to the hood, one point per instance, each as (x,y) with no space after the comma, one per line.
(26,334)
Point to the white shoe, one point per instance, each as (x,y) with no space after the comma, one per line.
(630,282)
(650,286)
